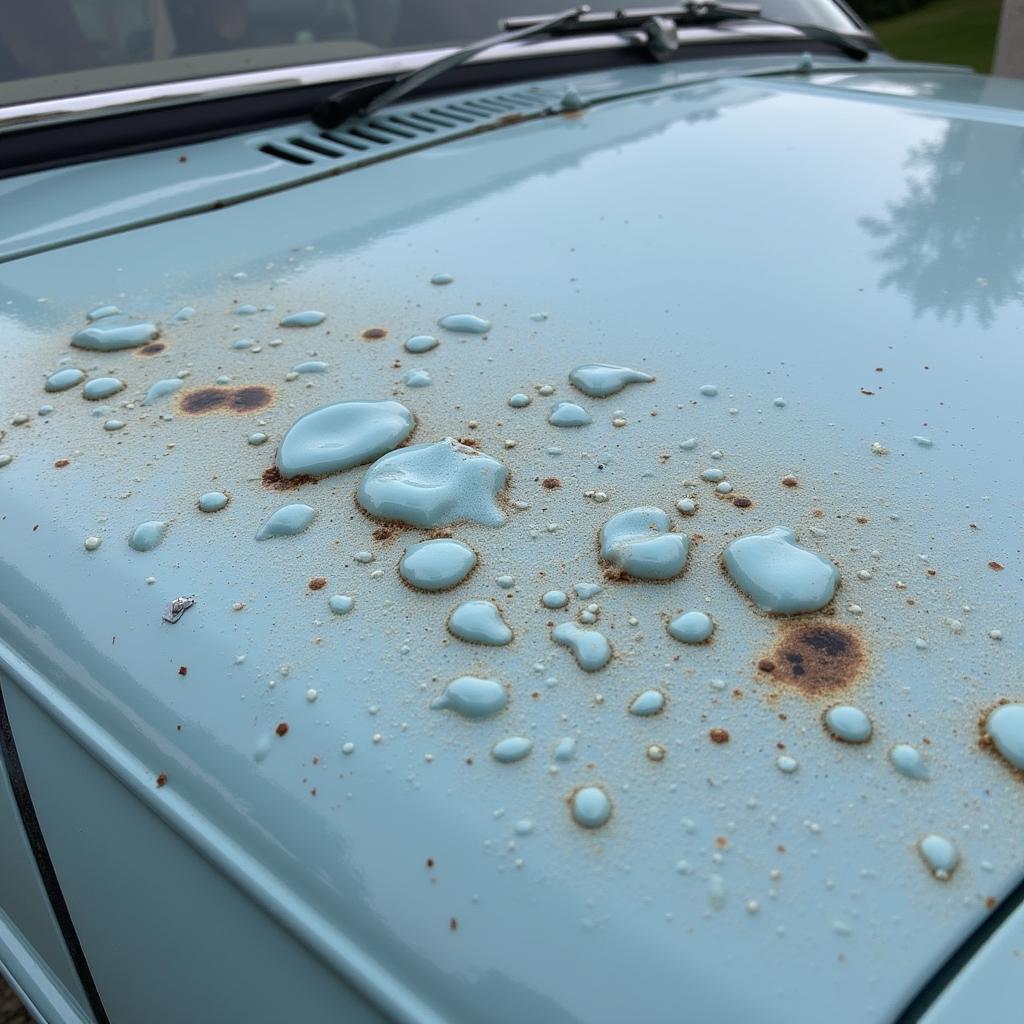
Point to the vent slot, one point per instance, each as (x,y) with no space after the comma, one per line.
(281,153)
(402,129)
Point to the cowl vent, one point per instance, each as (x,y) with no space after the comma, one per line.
(406,126)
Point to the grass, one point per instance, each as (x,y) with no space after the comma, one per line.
(946,31)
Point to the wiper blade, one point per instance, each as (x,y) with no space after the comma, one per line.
(365,99)
(657,27)
(693,12)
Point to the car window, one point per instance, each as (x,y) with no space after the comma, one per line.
(54,48)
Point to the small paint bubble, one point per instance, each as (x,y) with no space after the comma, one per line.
(257,439)
(442,278)
(713,475)
(417,379)
(512,749)
(212,501)
(568,414)
(907,760)
(148,535)
(519,400)
(434,565)
(287,522)
(479,622)
(589,647)
(306,318)
(62,380)
(786,764)
(311,366)
(464,323)
(995,634)
(591,807)
(472,697)
(420,343)
(555,599)
(506,582)
(779,403)
(348,748)
(724,487)
(708,390)
(112,425)
(364,557)
(940,855)
(655,752)
(565,749)
(311,695)
(92,543)
(650,702)
(848,724)
(691,627)
(1005,727)
(686,506)
(924,442)
(599,380)
(102,387)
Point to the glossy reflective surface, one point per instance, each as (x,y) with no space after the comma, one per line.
(783,290)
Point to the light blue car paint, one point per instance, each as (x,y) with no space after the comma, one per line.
(783,259)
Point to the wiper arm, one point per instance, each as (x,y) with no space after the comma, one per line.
(657,25)
(662,22)
(365,99)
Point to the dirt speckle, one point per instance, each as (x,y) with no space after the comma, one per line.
(718,735)
(161,780)
(318,583)
(282,729)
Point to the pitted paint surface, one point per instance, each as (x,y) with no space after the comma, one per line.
(630,857)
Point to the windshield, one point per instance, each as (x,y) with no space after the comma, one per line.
(52,48)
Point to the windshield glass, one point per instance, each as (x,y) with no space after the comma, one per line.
(51,48)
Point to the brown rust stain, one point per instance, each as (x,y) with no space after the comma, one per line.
(815,657)
(282,728)
(272,478)
(161,780)
(317,583)
(718,735)
(374,334)
(742,501)
(242,400)
(154,348)
(551,483)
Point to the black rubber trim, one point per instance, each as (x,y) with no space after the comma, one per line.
(961,956)
(22,797)
(41,146)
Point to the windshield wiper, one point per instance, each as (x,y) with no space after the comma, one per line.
(657,27)
(365,99)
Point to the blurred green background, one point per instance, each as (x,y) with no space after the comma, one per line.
(947,31)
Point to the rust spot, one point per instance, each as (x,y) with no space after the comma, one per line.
(815,657)
(272,478)
(469,442)
(430,862)
(741,501)
(551,483)
(453,924)
(154,348)
(61,463)
(718,735)
(790,481)
(161,780)
(318,583)
(242,400)
(990,902)
(386,532)
(282,728)
(374,334)
(862,520)
(183,670)
(998,566)
(721,842)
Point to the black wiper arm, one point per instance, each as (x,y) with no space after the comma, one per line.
(365,99)
(657,27)
(654,20)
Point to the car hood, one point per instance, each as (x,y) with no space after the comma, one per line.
(823,275)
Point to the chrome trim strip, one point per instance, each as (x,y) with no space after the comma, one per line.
(118,101)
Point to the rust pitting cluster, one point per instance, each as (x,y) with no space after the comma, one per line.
(815,657)
(242,400)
